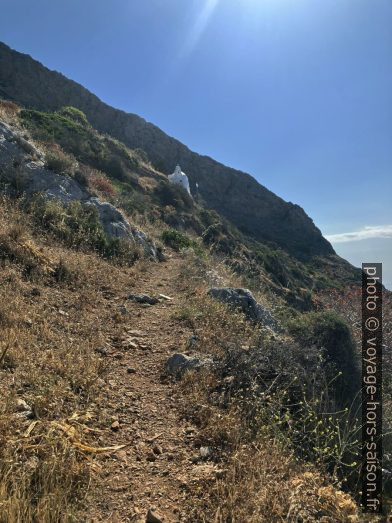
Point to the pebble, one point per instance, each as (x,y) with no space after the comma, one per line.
(153,517)
(115,425)
(22,405)
(136,333)
(205,452)
(151,456)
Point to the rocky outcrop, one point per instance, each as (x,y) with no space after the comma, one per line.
(244,301)
(237,196)
(22,163)
(179,364)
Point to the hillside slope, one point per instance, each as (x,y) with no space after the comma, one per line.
(92,429)
(255,210)
(94,425)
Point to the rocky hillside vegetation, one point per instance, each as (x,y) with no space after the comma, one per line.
(235,195)
(80,164)
(156,365)
(163,358)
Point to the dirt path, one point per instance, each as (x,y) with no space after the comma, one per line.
(153,472)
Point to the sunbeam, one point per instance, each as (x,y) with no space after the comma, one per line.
(198,28)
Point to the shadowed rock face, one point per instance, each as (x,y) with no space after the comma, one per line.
(237,196)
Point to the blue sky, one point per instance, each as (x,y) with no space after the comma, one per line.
(296,92)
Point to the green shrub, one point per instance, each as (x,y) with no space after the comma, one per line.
(133,202)
(78,226)
(141,155)
(331,335)
(177,240)
(219,238)
(175,195)
(74,114)
(283,388)
(59,162)
(115,168)
(68,128)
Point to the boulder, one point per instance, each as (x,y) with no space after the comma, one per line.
(243,300)
(113,221)
(179,364)
(38,179)
(115,224)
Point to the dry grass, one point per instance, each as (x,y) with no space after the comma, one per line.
(9,111)
(56,308)
(259,478)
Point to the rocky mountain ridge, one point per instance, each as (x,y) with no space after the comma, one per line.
(237,196)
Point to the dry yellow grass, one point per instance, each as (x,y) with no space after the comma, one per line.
(51,322)
(48,333)
(9,111)
(258,479)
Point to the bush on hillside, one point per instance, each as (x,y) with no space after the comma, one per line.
(133,202)
(177,240)
(74,114)
(331,335)
(13,180)
(8,108)
(78,226)
(68,129)
(103,185)
(282,387)
(81,177)
(59,162)
(142,155)
(176,196)
(115,168)
(219,238)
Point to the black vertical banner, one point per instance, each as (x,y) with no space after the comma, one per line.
(372,387)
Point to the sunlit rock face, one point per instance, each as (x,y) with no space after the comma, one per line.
(180,178)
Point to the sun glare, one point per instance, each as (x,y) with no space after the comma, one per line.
(199,27)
